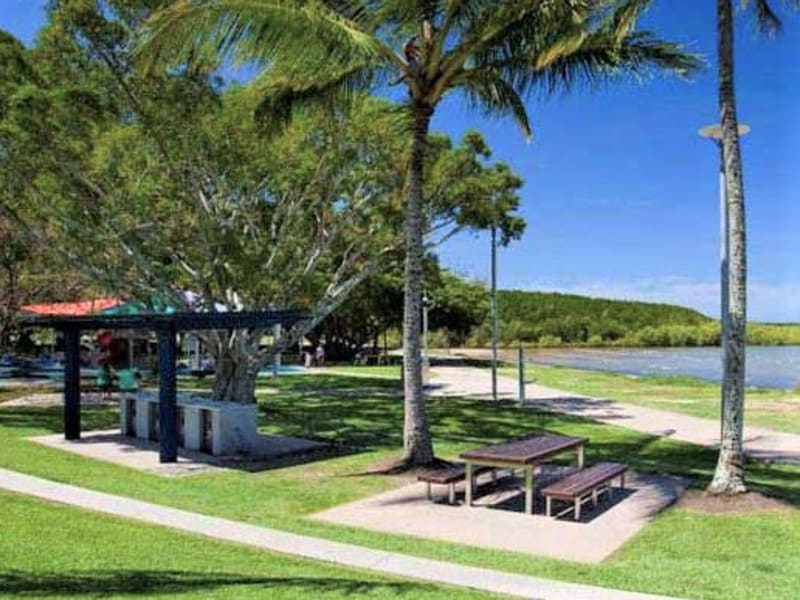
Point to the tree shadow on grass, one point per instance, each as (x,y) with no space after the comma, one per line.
(103,583)
(51,418)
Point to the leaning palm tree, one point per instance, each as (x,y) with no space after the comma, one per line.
(729,474)
(496,52)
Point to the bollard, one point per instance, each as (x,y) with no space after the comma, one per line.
(521,365)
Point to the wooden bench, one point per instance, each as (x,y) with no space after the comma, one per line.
(577,485)
(449,476)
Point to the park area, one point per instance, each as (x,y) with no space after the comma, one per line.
(694,548)
(398,299)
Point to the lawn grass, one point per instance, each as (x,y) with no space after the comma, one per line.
(681,553)
(377,371)
(64,552)
(770,408)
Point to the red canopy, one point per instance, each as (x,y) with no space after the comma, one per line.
(73,309)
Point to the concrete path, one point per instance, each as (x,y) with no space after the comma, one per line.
(347,555)
(760,443)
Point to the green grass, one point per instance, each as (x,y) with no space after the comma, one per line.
(770,408)
(63,552)
(385,371)
(684,554)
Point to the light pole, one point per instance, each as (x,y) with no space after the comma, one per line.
(714,133)
(494,312)
(426,363)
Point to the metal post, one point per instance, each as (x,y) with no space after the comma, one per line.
(724,250)
(521,369)
(494,312)
(276,359)
(167,396)
(426,363)
(72,384)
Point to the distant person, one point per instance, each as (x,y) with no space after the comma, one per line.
(128,381)
(105,379)
(320,355)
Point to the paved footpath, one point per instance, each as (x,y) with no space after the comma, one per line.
(347,555)
(760,443)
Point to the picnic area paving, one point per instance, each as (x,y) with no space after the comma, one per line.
(136,453)
(761,444)
(497,521)
(309,547)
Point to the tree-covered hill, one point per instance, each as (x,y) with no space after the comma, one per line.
(554,319)
(551,318)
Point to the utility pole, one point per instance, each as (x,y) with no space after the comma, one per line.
(494,312)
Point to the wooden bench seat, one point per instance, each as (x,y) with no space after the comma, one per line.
(577,485)
(449,475)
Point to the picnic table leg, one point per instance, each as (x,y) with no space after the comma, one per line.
(581,456)
(529,489)
(428,492)
(452,493)
(468,481)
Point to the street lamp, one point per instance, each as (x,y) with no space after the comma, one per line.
(494,312)
(714,133)
(426,363)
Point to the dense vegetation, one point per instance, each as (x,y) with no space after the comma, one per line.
(553,319)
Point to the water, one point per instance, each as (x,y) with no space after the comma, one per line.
(767,366)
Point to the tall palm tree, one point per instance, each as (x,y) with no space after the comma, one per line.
(496,52)
(729,474)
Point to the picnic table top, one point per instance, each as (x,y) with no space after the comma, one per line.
(525,450)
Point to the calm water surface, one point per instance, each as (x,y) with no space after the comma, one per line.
(767,366)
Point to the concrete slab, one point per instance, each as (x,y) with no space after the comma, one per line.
(110,445)
(498,522)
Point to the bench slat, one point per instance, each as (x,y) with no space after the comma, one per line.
(579,483)
(451,474)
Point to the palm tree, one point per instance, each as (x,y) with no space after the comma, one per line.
(729,474)
(496,52)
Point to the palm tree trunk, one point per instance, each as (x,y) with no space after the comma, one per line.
(416,436)
(729,474)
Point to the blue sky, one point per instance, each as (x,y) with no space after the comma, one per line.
(621,193)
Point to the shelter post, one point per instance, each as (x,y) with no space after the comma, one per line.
(167,395)
(72,383)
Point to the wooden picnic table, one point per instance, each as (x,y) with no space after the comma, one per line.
(525,454)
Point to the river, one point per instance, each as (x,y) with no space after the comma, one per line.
(767,366)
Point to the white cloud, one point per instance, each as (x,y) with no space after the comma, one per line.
(766,302)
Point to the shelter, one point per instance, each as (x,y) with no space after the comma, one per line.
(166,326)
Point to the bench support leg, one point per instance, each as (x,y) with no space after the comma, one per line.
(581,456)
(548,505)
(529,489)
(578,508)
(594,497)
(428,493)
(622,481)
(468,481)
(452,493)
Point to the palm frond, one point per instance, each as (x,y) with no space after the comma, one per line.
(495,96)
(252,31)
(767,20)
(597,47)
(281,93)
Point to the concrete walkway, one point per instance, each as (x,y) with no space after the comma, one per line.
(761,444)
(346,555)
